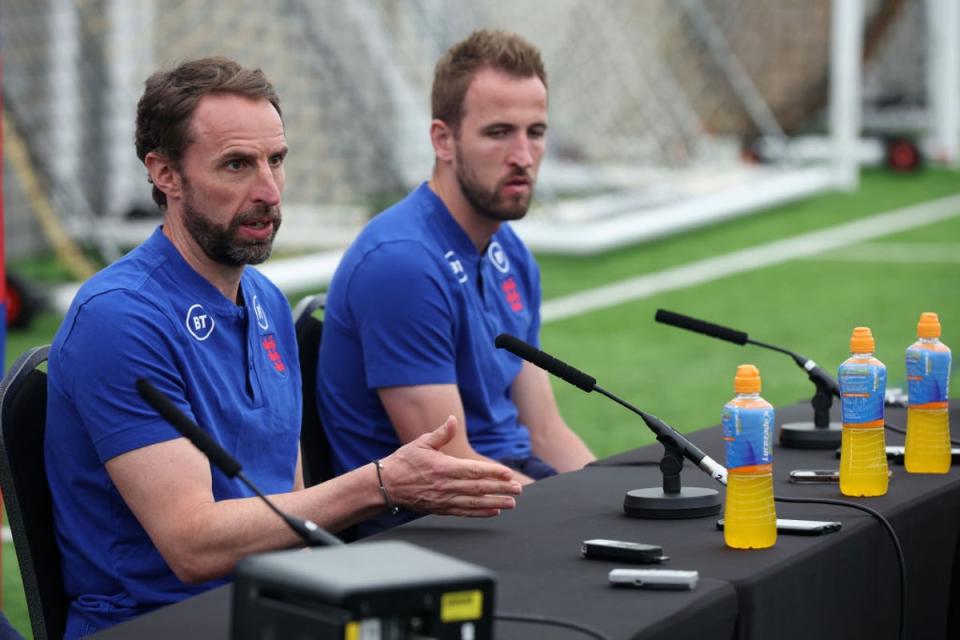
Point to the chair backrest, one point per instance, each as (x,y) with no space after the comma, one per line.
(317,458)
(23,478)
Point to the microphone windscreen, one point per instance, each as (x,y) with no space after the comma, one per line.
(700,326)
(188,428)
(545,361)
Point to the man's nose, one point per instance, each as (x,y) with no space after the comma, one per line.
(269,186)
(521,154)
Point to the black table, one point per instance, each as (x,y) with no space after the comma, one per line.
(841,585)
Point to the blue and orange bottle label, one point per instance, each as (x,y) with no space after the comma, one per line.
(862,388)
(928,377)
(748,433)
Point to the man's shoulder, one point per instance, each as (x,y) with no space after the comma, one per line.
(406,220)
(126,293)
(403,262)
(398,238)
(125,281)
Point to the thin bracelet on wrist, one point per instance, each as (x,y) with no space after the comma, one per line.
(392,508)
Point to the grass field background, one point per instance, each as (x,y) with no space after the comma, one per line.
(807,305)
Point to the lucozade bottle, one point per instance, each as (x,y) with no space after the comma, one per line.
(863,454)
(750,519)
(928,421)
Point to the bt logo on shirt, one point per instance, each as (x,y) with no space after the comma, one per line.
(456,266)
(199,323)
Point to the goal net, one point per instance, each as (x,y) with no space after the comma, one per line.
(657,107)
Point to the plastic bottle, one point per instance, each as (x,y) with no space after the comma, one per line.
(928,378)
(863,456)
(750,519)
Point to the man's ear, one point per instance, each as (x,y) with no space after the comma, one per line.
(442,138)
(164,175)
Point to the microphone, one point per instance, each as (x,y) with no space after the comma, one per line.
(308,531)
(700,326)
(545,361)
(739,337)
(676,445)
(822,434)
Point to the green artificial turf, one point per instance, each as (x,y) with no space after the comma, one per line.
(808,306)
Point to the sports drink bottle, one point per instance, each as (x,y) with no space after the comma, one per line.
(928,421)
(750,519)
(863,455)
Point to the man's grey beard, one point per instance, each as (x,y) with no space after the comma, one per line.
(221,244)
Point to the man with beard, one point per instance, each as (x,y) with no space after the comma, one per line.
(415,305)
(141,519)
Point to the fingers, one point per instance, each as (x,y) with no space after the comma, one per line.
(481,498)
(423,479)
(478,470)
(462,468)
(483,488)
(473,514)
(476,506)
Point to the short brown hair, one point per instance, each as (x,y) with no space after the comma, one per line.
(483,49)
(170,98)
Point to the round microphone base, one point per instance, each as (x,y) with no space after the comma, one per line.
(805,435)
(654,504)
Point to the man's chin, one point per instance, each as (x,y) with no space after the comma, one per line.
(515,210)
(258,257)
(251,254)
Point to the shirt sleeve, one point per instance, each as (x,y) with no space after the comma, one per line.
(115,339)
(403,311)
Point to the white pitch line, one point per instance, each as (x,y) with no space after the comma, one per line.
(765,255)
(905,252)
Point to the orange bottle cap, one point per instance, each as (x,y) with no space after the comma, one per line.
(862,341)
(929,325)
(747,379)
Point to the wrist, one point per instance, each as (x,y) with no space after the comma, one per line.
(392,508)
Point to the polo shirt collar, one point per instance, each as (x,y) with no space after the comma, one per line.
(191,283)
(446,223)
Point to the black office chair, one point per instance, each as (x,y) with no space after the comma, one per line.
(23,420)
(317,458)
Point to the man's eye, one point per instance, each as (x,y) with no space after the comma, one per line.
(235,164)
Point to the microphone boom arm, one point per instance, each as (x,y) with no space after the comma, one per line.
(676,444)
(826,385)
(673,441)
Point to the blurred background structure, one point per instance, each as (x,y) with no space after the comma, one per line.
(653,104)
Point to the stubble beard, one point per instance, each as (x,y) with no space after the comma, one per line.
(488,203)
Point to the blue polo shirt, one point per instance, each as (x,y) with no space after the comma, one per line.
(232,369)
(413,302)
